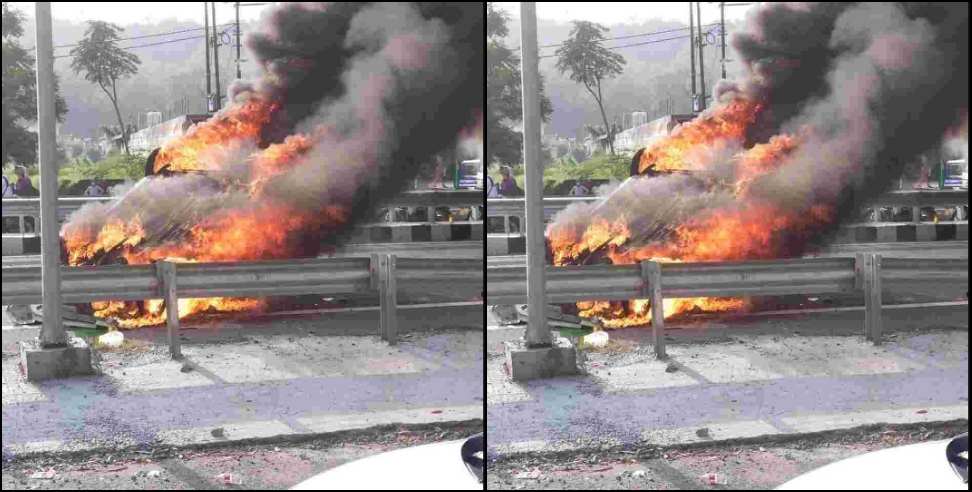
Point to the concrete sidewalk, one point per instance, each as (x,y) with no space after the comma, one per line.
(251,379)
(734,379)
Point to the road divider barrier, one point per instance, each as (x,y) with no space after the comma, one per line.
(864,272)
(382,273)
(505,223)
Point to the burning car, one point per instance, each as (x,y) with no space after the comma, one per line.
(816,126)
(299,154)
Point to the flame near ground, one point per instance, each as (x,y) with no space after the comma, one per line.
(734,223)
(264,230)
(340,117)
(835,100)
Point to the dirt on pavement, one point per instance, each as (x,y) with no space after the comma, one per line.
(745,464)
(257,464)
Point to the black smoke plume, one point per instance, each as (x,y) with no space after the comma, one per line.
(868,87)
(378,89)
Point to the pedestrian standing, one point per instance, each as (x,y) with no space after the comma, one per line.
(23,187)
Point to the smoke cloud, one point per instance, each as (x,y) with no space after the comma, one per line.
(356,95)
(865,87)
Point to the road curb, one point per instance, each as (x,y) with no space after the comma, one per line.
(611,448)
(63,450)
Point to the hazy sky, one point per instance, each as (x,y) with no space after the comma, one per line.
(123,12)
(614,12)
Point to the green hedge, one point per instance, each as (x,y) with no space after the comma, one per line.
(114,167)
(601,166)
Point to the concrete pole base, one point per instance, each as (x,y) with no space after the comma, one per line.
(523,363)
(39,364)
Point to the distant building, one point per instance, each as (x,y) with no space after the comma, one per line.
(110,144)
(638,118)
(593,145)
(153,118)
(559,146)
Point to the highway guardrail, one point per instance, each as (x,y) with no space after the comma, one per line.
(172,281)
(506,283)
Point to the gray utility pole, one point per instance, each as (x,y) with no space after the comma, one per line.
(537,333)
(722,31)
(239,74)
(209,84)
(52,331)
(698,18)
(216,56)
(692,51)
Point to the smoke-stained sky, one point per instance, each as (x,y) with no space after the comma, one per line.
(865,88)
(365,92)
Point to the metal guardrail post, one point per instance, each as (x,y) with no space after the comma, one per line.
(166,271)
(388,297)
(379,265)
(375,270)
(391,300)
(872,298)
(651,277)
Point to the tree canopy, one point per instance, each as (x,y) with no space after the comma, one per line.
(20,93)
(584,60)
(504,106)
(99,58)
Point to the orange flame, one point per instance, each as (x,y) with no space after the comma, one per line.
(238,125)
(751,228)
(263,229)
(723,126)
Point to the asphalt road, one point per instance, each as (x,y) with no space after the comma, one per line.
(752,466)
(276,378)
(268,465)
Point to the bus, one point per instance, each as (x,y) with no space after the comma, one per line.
(469,175)
(955,174)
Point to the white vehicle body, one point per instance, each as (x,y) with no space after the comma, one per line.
(913,467)
(471,174)
(21,235)
(957,174)
(436,466)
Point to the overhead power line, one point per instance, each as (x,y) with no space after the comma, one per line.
(638,44)
(147,45)
(146,35)
(629,36)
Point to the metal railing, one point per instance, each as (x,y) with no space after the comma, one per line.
(506,284)
(917,198)
(171,281)
(432,249)
(431,198)
(65,206)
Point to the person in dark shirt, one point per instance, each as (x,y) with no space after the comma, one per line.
(508,186)
(23,187)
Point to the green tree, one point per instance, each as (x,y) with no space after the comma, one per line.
(503,93)
(584,60)
(101,61)
(20,93)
